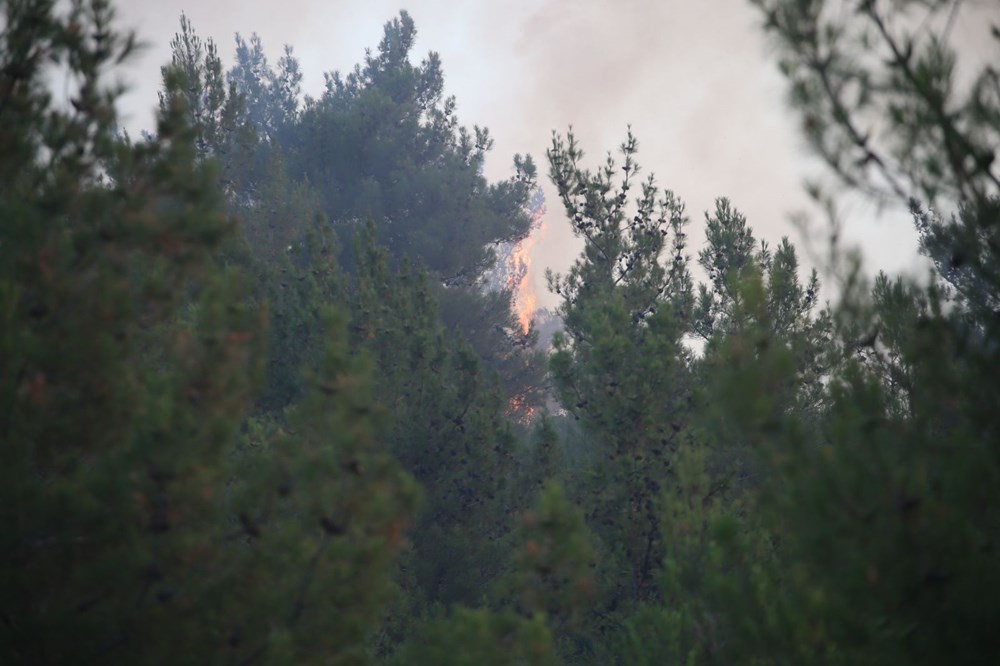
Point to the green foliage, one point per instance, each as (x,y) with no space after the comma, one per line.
(886,513)
(132,531)
(289,251)
(623,248)
(552,568)
(621,366)
(126,360)
(883,519)
(195,82)
(213,431)
(384,143)
(673,482)
(445,415)
(320,513)
(755,300)
(474,637)
(879,101)
(730,259)
(548,459)
(490,326)
(271,96)
(447,428)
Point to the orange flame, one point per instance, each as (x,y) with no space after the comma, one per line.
(518,411)
(525,296)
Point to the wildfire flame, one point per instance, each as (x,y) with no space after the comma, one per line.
(512,273)
(519,278)
(518,411)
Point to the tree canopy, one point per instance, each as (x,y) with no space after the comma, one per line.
(260,404)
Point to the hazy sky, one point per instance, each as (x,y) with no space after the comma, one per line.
(692,77)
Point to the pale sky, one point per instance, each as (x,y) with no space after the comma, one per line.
(693,78)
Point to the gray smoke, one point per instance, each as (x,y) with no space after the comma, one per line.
(693,79)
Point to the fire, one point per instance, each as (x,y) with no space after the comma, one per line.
(518,411)
(513,274)
(520,276)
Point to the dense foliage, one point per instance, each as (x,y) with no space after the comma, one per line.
(259,404)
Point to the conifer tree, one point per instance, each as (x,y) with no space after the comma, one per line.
(284,243)
(653,408)
(384,142)
(215,109)
(133,532)
(126,357)
(885,520)
(272,96)
(621,366)
(320,511)
(552,571)
(447,429)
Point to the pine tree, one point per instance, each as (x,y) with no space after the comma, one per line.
(320,511)
(215,110)
(133,531)
(126,357)
(673,469)
(552,572)
(383,142)
(621,366)
(447,428)
(272,96)
(886,516)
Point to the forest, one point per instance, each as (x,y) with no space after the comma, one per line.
(265,397)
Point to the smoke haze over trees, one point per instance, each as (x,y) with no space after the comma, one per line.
(274,389)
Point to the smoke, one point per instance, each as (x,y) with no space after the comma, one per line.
(694,80)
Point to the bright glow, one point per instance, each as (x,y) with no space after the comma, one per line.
(519,278)
(518,411)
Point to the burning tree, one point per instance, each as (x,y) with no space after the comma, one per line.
(512,271)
